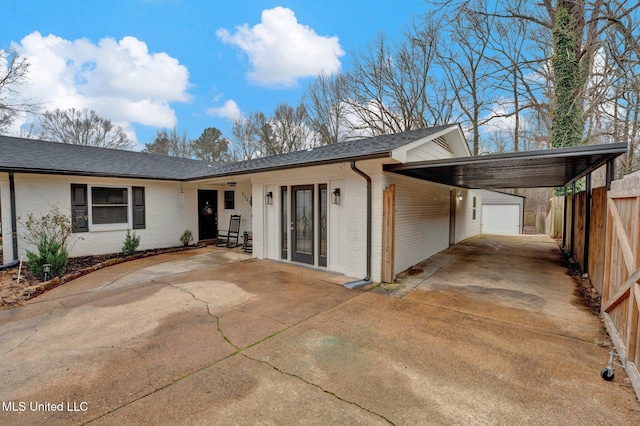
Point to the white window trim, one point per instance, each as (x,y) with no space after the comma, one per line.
(110,226)
(224,201)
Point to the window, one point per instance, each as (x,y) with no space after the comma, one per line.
(474,208)
(139,221)
(109,205)
(229,200)
(79,208)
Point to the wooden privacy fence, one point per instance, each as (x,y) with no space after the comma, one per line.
(621,290)
(575,236)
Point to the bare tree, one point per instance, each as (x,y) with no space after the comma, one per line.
(509,42)
(246,140)
(82,127)
(170,143)
(465,59)
(260,135)
(391,88)
(290,128)
(13,75)
(326,109)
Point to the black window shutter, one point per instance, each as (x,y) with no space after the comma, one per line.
(138,208)
(79,208)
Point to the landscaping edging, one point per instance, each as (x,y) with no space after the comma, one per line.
(14,295)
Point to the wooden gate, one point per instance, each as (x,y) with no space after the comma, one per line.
(621,290)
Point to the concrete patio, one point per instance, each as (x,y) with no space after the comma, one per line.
(488,332)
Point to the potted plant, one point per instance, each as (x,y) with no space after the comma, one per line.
(187,237)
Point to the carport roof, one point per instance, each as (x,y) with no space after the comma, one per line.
(531,169)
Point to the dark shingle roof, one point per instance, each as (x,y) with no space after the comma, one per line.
(35,156)
(374,147)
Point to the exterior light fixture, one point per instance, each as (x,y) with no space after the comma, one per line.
(335,196)
(232,184)
(46,268)
(268,199)
(459,197)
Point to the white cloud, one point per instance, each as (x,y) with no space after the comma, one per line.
(229,109)
(281,50)
(120,80)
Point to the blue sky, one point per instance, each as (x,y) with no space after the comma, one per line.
(148,64)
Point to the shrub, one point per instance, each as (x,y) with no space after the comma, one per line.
(51,234)
(54,226)
(187,237)
(52,253)
(131,243)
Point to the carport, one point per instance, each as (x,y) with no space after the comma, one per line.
(561,167)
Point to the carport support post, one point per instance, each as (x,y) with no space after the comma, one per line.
(573,216)
(587,224)
(611,170)
(564,220)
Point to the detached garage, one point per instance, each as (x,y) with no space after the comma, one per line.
(502,213)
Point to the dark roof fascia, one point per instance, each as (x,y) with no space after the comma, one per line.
(292,166)
(23,170)
(593,168)
(613,148)
(604,153)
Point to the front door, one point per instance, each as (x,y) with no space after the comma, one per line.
(302,223)
(207,214)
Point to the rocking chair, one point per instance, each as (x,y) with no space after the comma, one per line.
(233,233)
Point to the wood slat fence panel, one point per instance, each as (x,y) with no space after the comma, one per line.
(578,229)
(597,237)
(621,275)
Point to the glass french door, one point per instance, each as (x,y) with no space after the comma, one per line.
(322,230)
(284,208)
(302,213)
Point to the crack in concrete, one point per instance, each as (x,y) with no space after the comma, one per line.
(328,392)
(238,351)
(226,339)
(35,331)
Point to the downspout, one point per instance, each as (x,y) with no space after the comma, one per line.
(14,223)
(366,280)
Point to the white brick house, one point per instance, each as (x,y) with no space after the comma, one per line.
(309,207)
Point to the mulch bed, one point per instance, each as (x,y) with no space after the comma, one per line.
(14,293)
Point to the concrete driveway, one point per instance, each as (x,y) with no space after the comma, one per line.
(488,332)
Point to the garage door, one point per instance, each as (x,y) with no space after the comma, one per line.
(501,219)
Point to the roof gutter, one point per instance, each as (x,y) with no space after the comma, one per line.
(338,160)
(366,280)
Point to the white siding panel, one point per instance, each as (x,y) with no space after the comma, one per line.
(466,225)
(474,225)
(243,200)
(166,217)
(422,220)
(428,151)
